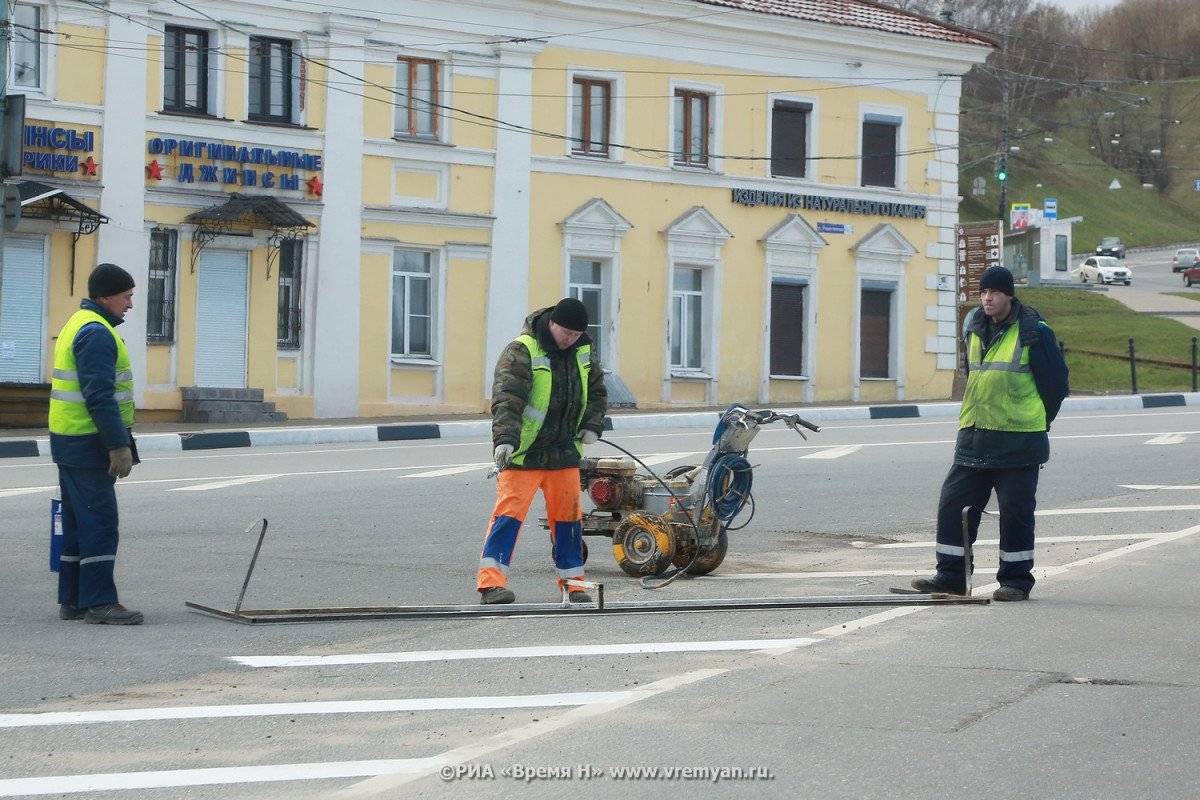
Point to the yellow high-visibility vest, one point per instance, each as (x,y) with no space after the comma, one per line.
(538,404)
(68,411)
(1001,394)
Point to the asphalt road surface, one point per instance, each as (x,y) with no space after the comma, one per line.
(1089,690)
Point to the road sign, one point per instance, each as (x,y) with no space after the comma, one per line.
(1050,208)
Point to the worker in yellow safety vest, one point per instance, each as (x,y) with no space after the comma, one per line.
(1016,382)
(91,441)
(548,400)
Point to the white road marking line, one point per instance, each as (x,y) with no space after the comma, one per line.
(385,784)
(549,651)
(1068,512)
(1093,537)
(1167,438)
(118,781)
(28,490)
(47,718)
(225,484)
(663,458)
(1164,538)
(1149,487)
(835,452)
(440,473)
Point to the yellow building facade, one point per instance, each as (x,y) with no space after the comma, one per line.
(351,213)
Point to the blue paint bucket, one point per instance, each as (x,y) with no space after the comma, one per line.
(56,533)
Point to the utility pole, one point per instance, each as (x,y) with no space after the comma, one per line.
(1004,99)
(5,37)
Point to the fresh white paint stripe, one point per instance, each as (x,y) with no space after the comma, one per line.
(1149,487)
(835,452)
(48,718)
(550,651)
(663,458)
(225,484)
(440,473)
(1093,537)
(125,781)
(1068,512)
(1164,538)
(385,784)
(1168,439)
(766,576)
(29,490)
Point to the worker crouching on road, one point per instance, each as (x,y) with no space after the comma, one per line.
(91,440)
(548,400)
(1016,382)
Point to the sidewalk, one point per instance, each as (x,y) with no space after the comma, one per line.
(1180,309)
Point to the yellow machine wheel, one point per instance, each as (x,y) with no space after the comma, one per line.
(644,544)
(708,561)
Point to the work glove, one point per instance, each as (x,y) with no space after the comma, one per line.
(588,437)
(502,455)
(120,462)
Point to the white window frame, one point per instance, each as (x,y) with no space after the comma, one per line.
(593,232)
(616,113)
(681,323)
(716,107)
(867,110)
(436,311)
(46,61)
(602,290)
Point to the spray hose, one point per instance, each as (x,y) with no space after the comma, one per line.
(729,482)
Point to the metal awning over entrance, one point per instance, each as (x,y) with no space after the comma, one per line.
(242,213)
(42,201)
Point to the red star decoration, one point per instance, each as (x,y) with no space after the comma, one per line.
(154,170)
(315,187)
(89,166)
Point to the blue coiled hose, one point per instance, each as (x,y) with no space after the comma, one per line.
(729,482)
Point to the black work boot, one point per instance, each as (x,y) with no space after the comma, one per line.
(496,595)
(935,586)
(113,614)
(71,612)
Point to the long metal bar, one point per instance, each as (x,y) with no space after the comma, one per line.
(352,613)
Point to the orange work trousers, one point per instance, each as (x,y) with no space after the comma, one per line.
(515,490)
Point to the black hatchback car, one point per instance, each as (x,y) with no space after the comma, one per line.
(1111,246)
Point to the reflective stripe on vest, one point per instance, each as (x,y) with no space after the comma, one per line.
(534,416)
(68,411)
(1001,394)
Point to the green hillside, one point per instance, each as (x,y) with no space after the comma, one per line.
(1063,165)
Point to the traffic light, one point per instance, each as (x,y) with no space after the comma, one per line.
(1002,169)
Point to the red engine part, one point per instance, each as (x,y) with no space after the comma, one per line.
(606,492)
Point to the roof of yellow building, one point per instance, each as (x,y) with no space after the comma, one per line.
(859,14)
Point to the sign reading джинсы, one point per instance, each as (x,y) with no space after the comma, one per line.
(817,202)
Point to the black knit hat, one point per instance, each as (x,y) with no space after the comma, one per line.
(107,280)
(571,314)
(998,278)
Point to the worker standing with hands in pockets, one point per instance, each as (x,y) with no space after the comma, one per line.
(548,400)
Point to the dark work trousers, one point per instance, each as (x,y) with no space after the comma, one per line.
(1016,490)
(89,552)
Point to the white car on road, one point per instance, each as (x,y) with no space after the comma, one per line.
(1103,270)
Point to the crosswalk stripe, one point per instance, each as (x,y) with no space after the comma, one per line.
(835,452)
(48,718)
(204,487)
(549,651)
